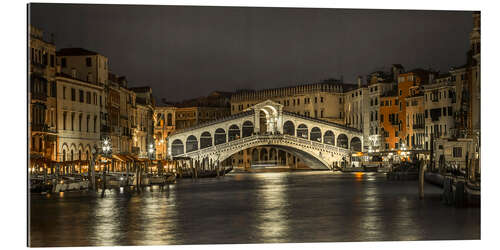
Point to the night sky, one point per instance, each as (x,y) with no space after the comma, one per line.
(186,52)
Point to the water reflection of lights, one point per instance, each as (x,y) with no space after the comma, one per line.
(106,225)
(272,202)
(371,224)
(153,212)
(359,175)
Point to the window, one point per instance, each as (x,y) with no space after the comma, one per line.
(88,120)
(80,122)
(81,96)
(381,118)
(457,152)
(400,92)
(53,89)
(64,93)
(88,97)
(426,114)
(52,61)
(73,94)
(95,120)
(63,62)
(72,121)
(321,99)
(64,120)
(376,101)
(444,111)
(88,61)
(298,101)
(321,113)
(449,111)
(315,99)
(376,115)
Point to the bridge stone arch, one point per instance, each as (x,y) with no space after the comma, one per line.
(329,138)
(219,136)
(302,131)
(312,138)
(205,140)
(316,155)
(191,144)
(289,128)
(233,132)
(315,134)
(177,147)
(343,141)
(247,129)
(355,144)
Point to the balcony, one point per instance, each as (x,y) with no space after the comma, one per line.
(39,128)
(418,126)
(39,96)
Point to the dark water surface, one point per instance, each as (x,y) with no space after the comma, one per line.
(253,208)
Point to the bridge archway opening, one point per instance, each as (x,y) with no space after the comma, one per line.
(329,138)
(191,144)
(315,134)
(255,155)
(247,129)
(220,136)
(342,141)
(302,131)
(356,144)
(263,155)
(285,155)
(177,147)
(272,154)
(289,128)
(205,140)
(233,133)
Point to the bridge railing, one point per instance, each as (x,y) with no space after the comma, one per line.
(287,138)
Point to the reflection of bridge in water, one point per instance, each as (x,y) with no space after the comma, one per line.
(318,143)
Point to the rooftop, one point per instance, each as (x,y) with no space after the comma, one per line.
(75,52)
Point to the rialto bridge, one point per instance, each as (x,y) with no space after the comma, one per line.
(316,142)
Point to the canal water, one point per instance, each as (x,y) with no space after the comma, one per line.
(252,208)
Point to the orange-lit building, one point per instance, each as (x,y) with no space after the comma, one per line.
(389,109)
(408,85)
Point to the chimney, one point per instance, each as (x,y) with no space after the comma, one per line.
(359,81)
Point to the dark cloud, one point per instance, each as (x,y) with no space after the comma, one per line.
(185,52)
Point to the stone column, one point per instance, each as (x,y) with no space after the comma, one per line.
(256,122)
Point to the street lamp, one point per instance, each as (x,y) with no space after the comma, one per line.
(151,151)
(106,147)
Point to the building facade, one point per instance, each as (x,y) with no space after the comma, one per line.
(42,94)
(79,124)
